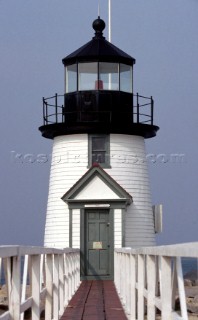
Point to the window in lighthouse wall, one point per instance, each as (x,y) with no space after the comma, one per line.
(87,76)
(71,78)
(99,150)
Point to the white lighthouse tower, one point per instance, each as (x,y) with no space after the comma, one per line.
(99,190)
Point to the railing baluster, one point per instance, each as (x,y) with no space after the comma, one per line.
(151,287)
(181,289)
(14,286)
(44,117)
(49,286)
(62,111)
(61,284)
(133,289)
(56,287)
(138,109)
(140,287)
(66,280)
(36,287)
(24,283)
(56,107)
(152,106)
(166,294)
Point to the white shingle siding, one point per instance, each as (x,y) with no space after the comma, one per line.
(117,228)
(76,228)
(128,168)
(67,167)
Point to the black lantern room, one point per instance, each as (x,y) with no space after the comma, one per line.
(98,94)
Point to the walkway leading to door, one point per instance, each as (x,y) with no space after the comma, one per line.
(95,300)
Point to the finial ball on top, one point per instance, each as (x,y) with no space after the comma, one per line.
(98,25)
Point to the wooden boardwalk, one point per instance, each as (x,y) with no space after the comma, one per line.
(95,300)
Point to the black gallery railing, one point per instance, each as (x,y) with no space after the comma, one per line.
(55,111)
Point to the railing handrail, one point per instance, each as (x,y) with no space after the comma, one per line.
(189,250)
(17,250)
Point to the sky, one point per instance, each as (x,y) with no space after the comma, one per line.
(34,37)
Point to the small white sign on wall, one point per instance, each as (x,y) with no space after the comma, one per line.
(97,245)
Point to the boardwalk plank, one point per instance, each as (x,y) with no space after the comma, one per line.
(95,300)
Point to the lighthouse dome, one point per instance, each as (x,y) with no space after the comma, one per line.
(99,49)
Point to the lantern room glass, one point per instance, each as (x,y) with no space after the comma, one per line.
(109,76)
(71,78)
(126,78)
(87,76)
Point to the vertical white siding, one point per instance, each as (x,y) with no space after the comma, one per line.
(117,228)
(128,168)
(76,228)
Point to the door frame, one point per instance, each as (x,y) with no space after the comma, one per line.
(83,245)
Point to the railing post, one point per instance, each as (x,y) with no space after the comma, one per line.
(14,286)
(128,285)
(56,106)
(56,287)
(151,287)
(78,268)
(62,109)
(66,281)
(72,272)
(181,288)
(24,283)
(44,118)
(152,106)
(133,106)
(76,272)
(116,268)
(141,287)
(35,261)
(122,277)
(138,109)
(61,284)
(69,277)
(133,306)
(166,285)
(49,286)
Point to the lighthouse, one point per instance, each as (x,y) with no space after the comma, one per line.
(99,189)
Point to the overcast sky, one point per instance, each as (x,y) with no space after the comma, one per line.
(34,37)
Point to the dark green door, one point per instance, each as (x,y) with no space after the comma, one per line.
(97,243)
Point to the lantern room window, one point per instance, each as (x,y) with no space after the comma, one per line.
(126,78)
(87,76)
(109,75)
(71,78)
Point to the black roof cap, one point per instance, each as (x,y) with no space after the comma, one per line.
(98,49)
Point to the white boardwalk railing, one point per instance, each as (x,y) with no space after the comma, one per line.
(38,278)
(150,278)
